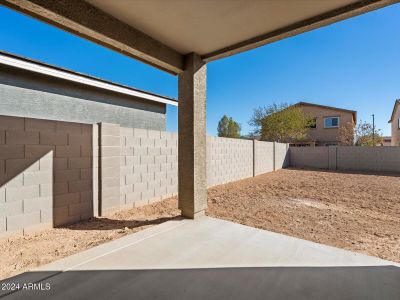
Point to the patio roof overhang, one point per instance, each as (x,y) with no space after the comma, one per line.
(161,32)
(180,37)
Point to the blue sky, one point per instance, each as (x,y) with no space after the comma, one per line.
(354,64)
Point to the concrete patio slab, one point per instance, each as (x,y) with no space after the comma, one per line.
(216,259)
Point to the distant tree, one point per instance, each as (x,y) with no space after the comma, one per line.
(281,123)
(223,126)
(227,127)
(365,137)
(346,134)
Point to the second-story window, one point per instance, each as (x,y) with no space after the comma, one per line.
(331,122)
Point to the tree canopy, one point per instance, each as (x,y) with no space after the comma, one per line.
(362,135)
(366,135)
(227,127)
(346,134)
(281,123)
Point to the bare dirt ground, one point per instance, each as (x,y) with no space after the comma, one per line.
(359,212)
(20,254)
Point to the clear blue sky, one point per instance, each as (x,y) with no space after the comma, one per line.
(353,64)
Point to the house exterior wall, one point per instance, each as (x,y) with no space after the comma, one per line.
(395,127)
(325,135)
(29,94)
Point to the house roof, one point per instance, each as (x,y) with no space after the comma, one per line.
(329,107)
(396,103)
(54,71)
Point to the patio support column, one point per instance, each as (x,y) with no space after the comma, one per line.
(192,181)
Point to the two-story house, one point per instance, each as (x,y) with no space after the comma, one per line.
(395,122)
(328,120)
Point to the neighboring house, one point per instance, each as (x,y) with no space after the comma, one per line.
(328,120)
(36,90)
(387,141)
(395,121)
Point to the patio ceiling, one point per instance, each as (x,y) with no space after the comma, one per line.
(160,32)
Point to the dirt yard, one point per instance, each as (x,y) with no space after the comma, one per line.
(20,254)
(359,212)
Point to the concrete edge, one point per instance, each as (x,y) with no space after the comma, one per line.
(311,243)
(77,259)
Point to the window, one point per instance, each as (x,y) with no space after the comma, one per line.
(331,122)
(398,123)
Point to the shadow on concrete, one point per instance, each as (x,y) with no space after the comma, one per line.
(111,224)
(392,174)
(378,282)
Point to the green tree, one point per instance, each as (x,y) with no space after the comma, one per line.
(366,135)
(281,123)
(227,127)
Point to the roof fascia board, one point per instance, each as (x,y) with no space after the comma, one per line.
(81,79)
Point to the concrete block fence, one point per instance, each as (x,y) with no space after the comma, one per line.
(54,173)
(228,160)
(46,173)
(351,158)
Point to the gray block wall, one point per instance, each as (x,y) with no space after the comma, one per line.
(352,158)
(377,159)
(228,160)
(282,159)
(263,157)
(45,173)
(309,157)
(54,173)
(149,166)
(109,167)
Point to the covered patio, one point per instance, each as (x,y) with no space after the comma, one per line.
(181,37)
(204,257)
(212,259)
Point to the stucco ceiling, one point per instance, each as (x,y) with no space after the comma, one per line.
(204,26)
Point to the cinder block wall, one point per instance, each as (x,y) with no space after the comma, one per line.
(109,167)
(375,159)
(149,166)
(45,173)
(54,173)
(228,160)
(309,157)
(263,157)
(282,158)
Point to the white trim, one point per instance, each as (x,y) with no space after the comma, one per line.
(80,79)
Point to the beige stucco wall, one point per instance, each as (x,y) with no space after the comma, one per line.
(320,133)
(395,129)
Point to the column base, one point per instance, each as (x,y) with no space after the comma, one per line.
(194,216)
